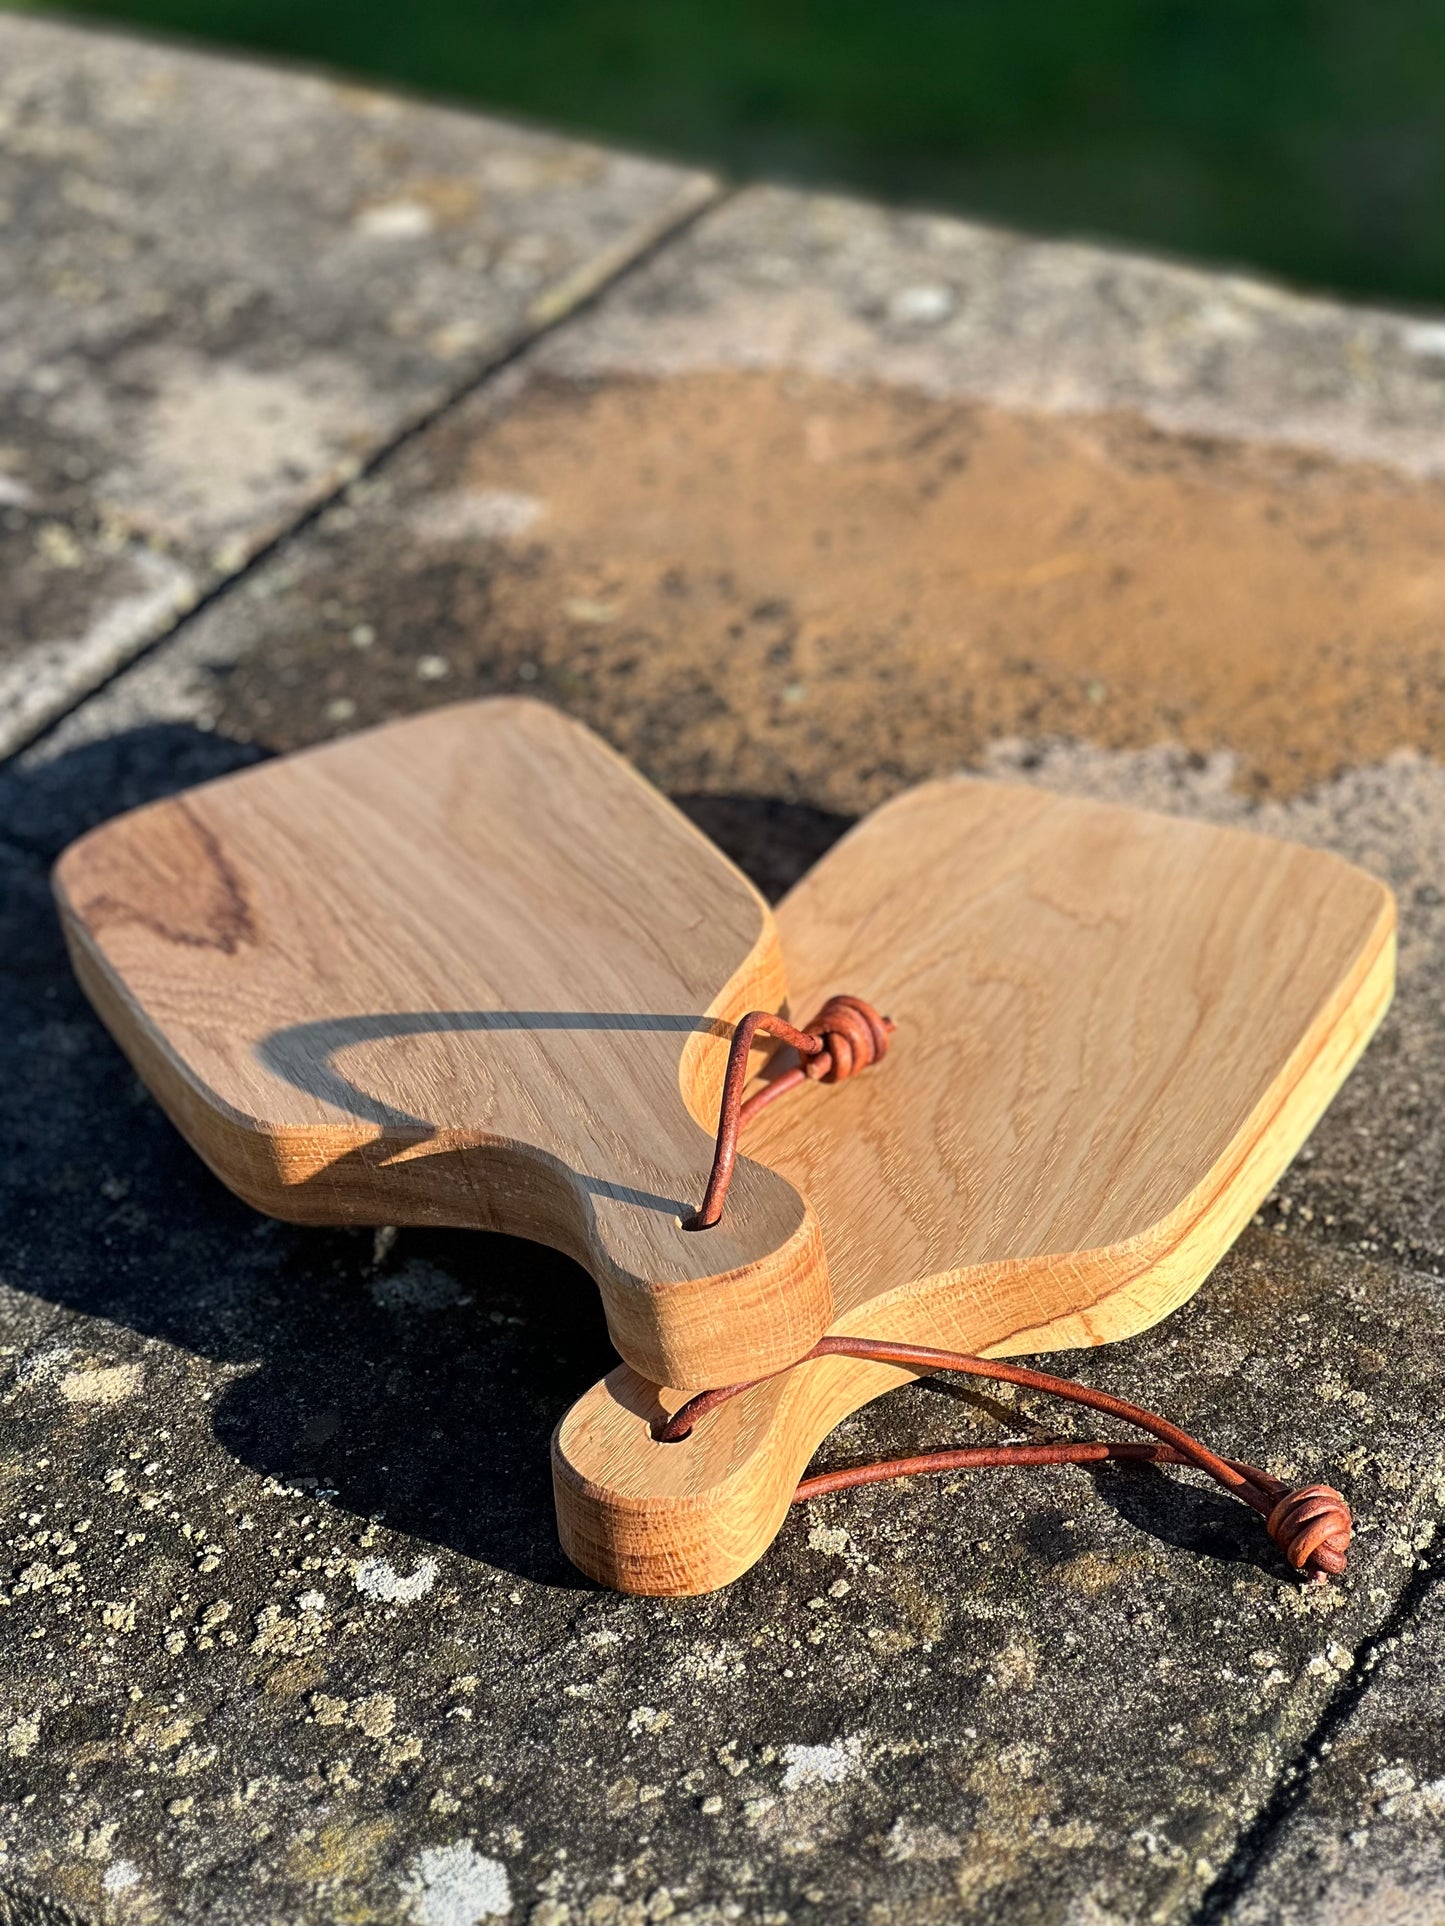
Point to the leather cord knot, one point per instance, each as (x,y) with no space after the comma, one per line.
(854,1036)
(845,1037)
(1312,1527)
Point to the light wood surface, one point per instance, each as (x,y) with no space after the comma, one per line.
(466,969)
(1114,1032)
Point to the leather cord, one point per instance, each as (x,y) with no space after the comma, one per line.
(845,1037)
(1310,1525)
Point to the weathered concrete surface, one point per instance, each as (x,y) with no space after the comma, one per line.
(787,594)
(835,589)
(288,1634)
(840,289)
(771,517)
(1365,1845)
(845,568)
(223,288)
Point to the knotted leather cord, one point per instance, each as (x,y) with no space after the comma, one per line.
(844,1037)
(1310,1525)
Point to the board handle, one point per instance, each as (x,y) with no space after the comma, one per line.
(664,1497)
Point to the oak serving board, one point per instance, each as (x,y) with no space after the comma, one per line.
(1114,1032)
(466,969)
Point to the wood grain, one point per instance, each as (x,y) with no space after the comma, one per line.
(466,969)
(1114,1032)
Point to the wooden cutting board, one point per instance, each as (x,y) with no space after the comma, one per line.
(466,969)
(1114,1032)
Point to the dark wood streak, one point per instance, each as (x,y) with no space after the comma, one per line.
(230,923)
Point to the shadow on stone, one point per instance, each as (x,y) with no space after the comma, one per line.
(1198,1518)
(44,806)
(421,1385)
(775,842)
(416,1376)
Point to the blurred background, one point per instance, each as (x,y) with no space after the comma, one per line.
(1302,137)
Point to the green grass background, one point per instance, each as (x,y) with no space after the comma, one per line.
(1304,137)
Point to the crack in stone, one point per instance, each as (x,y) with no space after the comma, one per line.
(1235,1878)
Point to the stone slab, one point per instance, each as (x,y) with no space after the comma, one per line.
(843,290)
(225,286)
(1363,1843)
(789,580)
(288,1634)
(834,410)
(1050,1698)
